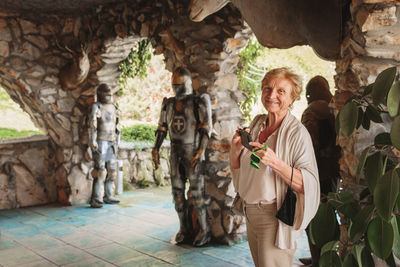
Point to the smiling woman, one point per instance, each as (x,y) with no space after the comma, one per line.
(286,161)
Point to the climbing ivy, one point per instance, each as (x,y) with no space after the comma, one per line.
(135,64)
(249,79)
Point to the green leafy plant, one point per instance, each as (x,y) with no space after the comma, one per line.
(370,222)
(136,63)
(249,79)
(139,132)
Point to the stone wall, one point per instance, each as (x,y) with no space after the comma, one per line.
(138,167)
(26,173)
(372,44)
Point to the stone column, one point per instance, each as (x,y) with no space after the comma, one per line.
(371,45)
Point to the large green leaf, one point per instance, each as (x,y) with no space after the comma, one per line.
(360,117)
(360,223)
(383,139)
(361,163)
(350,261)
(323,226)
(373,170)
(366,123)
(345,203)
(385,194)
(368,89)
(357,251)
(330,259)
(348,118)
(395,133)
(393,100)
(396,229)
(373,114)
(398,202)
(382,85)
(331,245)
(366,258)
(380,237)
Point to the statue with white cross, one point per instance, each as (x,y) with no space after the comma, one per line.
(187,119)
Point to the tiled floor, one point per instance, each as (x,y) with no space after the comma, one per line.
(135,233)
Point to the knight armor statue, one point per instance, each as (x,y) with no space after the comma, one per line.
(187,119)
(104,140)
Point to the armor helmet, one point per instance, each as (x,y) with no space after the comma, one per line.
(182,82)
(104,94)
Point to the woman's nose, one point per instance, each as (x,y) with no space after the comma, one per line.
(271,93)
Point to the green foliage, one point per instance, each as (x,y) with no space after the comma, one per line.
(135,64)
(373,216)
(6,133)
(139,132)
(249,81)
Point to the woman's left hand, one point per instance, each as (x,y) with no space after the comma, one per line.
(267,155)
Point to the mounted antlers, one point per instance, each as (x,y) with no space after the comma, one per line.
(74,73)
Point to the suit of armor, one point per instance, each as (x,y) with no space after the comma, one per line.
(187,119)
(104,140)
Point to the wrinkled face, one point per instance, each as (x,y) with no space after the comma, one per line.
(277,95)
(182,85)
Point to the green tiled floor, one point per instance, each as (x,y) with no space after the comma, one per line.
(136,232)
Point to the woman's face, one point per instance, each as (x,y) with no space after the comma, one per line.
(277,95)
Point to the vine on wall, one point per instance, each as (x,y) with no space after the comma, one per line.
(249,76)
(135,64)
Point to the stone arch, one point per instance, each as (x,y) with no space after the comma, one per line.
(32,52)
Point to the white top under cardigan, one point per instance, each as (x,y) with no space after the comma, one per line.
(294,147)
(257,185)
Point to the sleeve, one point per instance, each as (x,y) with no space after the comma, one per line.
(304,160)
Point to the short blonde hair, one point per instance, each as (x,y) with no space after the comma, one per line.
(286,73)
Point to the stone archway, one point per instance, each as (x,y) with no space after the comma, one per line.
(33,51)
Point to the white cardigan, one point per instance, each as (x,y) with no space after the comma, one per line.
(295,148)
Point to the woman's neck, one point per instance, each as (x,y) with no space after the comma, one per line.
(275,119)
(273,122)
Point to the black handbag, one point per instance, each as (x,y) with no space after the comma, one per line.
(288,208)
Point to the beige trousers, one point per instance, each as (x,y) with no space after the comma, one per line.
(261,231)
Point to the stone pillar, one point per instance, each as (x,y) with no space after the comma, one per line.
(371,45)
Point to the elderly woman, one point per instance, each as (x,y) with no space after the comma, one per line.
(288,159)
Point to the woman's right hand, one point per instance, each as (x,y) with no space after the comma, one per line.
(236,149)
(236,142)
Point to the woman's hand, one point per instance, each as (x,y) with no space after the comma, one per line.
(236,142)
(267,155)
(236,149)
(269,158)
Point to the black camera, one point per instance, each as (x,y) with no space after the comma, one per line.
(246,138)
